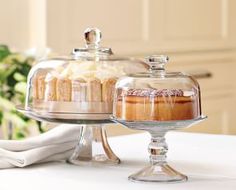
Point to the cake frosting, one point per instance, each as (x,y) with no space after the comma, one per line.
(92,70)
(152,92)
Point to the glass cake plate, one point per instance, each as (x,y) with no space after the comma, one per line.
(66,117)
(158,170)
(93,146)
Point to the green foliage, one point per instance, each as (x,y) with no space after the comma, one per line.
(14,68)
(4,52)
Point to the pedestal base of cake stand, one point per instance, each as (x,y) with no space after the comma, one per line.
(158,173)
(158,169)
(93,147)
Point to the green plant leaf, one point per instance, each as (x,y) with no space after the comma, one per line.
(8,72)
(19,77)
(6,104)
(4,52)
(20,87)
(14,58)
(14,68)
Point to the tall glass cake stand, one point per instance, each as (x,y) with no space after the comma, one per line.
(93,146)
(158,169)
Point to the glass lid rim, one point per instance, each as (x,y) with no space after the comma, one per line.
(157,75)
(95,58)
(92,52)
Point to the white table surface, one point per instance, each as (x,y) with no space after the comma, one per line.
(208,160)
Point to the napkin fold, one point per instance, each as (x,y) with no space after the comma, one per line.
(56,144)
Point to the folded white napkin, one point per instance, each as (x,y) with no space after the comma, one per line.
(56,144)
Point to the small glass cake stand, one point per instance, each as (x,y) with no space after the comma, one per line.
(158,170)
(92,147)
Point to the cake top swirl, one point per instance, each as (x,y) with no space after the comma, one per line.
(152,92)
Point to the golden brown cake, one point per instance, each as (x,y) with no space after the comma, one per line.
(40,87)
(156,105)
(50,88)
(94,90)
(78,90)
(63,89)
(108,88)
(35,88)
(80,86)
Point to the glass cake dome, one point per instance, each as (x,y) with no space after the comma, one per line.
(157,95)
(80,83)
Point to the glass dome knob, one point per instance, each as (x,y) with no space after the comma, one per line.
(157,62)
(92,37)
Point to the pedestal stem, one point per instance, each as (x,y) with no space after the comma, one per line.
(93,147)
(158,170)
(158,149)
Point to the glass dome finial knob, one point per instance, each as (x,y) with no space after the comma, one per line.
(157,59)
(157,62)
(92,37)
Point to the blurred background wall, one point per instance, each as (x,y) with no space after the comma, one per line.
(198,35)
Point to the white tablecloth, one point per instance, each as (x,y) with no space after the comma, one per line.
(208,160)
